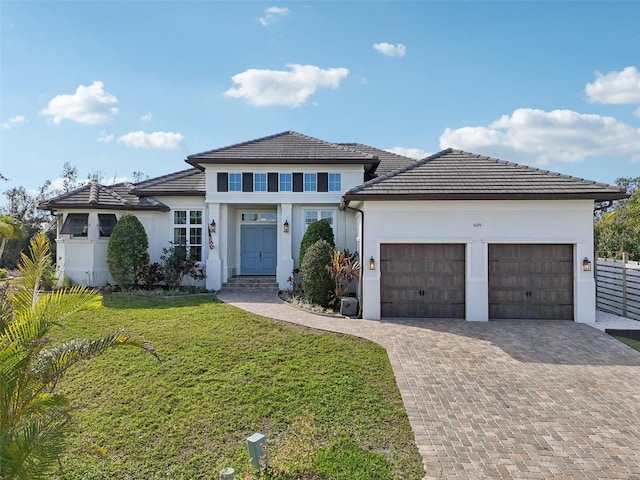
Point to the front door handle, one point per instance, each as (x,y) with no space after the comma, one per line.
(260,256)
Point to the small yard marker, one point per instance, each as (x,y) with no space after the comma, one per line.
(227,473)
(257,444)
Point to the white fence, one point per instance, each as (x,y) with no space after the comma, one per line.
(618,287)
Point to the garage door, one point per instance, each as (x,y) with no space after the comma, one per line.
(531,281)
(422,280)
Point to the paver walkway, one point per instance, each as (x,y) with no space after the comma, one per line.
(504,399)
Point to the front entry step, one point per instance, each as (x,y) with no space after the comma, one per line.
(243,283)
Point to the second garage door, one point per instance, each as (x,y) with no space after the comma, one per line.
(422,280)
(531,281)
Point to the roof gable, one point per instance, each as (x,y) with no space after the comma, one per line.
(458,175)
(285,148)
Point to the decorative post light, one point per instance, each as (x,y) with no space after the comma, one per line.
(586,265)
(212,226)
(285,227)
(372,264)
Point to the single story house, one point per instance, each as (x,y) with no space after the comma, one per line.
(455,235)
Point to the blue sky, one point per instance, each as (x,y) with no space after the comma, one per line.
(123,87)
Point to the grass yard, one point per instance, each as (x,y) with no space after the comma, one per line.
(627,339)
(225,375)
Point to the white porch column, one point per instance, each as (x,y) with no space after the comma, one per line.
(214,262)
(285,256)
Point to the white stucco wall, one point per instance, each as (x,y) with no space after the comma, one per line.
(478,224)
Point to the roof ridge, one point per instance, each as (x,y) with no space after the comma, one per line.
(535,169)
(281,134)
(406,168)
(156,179)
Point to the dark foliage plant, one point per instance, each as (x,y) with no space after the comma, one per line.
(320,230)
(316,280)
(127,251)
(179,263)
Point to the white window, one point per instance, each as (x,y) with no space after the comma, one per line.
(310,182)
(235,182)
(311,216)
(285,182)
(187,232)
(335,182)
(259,182)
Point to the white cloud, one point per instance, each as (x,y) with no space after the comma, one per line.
(289,88)
(105,137)
(390,50)
(272,15)
(618,88)
(416,153)
(537,136)
(13,121)
(89,105)
(146,117)
(157,140)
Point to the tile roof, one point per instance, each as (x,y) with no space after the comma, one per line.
(457,175)
(97,196)
(388,161)
(285,147)
(189,182)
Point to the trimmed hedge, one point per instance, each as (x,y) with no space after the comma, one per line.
(316,280)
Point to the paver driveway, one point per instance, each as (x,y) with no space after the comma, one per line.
(507,399)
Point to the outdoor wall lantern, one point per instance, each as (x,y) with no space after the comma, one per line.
(372,264)
(586,265)
(285,227)
(212,226)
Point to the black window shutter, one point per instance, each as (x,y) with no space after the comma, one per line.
(247,182)
(223,182)
(323,182)
(298,183)
(272,184)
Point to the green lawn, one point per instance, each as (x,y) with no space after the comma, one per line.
(225,375)
(633,343)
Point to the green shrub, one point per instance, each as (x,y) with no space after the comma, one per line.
(316,280)
(320,230)
(178,263)
(4,273)
(127,250)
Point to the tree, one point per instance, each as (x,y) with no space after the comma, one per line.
(320,230)
(10,229)
(69,177)
(33,414)
(127,250)
(617,230)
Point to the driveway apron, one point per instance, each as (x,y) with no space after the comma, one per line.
(503,399)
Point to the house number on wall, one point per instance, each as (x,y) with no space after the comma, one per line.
(477,225)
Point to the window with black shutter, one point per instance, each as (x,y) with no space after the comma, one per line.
(247,182)
(223,182)
(298,182)
(323,182)
(272,182)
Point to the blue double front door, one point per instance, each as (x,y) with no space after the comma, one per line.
(258,248)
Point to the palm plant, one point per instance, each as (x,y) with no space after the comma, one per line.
(33,415)
(10,228)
